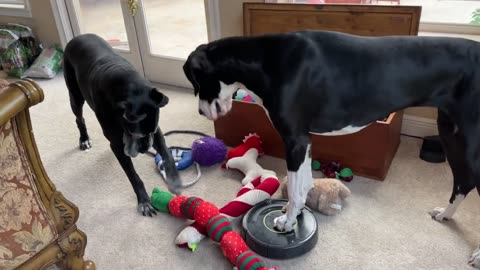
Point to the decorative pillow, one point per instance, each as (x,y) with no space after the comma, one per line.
(25,228)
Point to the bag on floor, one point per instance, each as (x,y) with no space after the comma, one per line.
(13,54)
(25,35)
(47,65)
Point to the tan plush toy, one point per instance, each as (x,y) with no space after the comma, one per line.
(326,196)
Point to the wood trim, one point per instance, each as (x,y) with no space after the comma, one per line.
(415,11)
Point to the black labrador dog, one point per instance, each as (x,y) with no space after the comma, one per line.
(126,105)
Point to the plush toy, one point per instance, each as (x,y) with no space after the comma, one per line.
(252,140)
(326,196)
(247,164)
(217,226)
(208,151)
(244,96)
(264,184)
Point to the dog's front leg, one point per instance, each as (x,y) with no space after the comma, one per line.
(173,178)
(144,205)
(300,181)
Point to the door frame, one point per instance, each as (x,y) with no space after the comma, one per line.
(66,26)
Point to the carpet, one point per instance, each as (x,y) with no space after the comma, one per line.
(385,225)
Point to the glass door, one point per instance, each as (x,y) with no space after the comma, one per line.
(156,36)
(111,20)
(168,30)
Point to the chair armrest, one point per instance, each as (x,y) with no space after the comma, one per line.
(18,96)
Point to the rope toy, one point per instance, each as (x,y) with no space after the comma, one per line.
(261,186)
(217,226)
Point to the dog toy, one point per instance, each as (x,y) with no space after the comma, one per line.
(183,159)
(247,164)
(217,226)
(334,169)
(244,96)
(204,151)
(252,140)
(262,187)
(208,151)
(326,196)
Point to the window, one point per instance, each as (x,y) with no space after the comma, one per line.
(15,8)
(440,16)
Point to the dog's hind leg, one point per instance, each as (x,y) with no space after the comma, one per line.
(454,146)
(76,103)
(300,180)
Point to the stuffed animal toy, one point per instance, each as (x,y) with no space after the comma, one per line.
(217,226)
(326,196)
(250,141)
(208,151)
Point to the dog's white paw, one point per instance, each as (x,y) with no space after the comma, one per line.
(85,145)
(438,214)
(283,224)
(475,259)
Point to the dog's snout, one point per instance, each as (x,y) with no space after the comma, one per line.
(200,112)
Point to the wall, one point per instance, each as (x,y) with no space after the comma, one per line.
(231,18)
(42,22)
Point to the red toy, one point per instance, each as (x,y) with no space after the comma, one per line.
(217,226)
(252,140)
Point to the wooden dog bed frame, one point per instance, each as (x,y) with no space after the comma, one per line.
(368,152)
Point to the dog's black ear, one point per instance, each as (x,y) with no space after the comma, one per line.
(196,66)
(158,98)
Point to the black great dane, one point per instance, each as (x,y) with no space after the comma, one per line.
(335,83)
(125,104)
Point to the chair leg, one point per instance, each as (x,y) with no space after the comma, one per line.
(73,246)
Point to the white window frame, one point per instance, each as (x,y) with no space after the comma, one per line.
(11,8)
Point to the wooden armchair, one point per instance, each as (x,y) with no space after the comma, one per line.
(37,224)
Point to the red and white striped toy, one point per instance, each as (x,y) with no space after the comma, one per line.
(259,185)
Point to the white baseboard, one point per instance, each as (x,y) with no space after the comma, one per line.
(418,126)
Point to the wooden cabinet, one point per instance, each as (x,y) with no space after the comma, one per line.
(368,152)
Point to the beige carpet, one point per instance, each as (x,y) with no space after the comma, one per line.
(384,226)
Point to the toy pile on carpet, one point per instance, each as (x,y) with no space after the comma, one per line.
(258,185)
(333,169)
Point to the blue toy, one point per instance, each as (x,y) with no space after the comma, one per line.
(183,158)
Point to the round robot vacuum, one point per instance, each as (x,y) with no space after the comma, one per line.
(263,238)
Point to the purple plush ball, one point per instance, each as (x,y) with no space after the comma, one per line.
(208,151)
